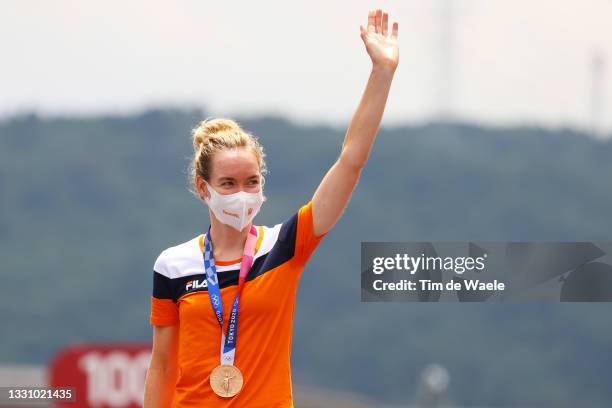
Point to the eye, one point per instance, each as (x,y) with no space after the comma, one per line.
(226,183)
(254,182)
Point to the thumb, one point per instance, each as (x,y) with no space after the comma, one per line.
(362,31)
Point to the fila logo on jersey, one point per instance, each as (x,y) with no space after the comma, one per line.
(196,284)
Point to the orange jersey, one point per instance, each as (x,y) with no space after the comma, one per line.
(265,318)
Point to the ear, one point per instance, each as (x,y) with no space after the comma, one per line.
(202,188)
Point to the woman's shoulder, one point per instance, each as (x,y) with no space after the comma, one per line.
(176,259)
(286,230)
(299,215)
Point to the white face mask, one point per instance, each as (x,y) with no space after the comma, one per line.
(236,210)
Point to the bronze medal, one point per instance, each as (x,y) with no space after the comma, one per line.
(226,380)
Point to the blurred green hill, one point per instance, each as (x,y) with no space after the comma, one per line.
(88,203)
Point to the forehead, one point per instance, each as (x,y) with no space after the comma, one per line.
(236,163)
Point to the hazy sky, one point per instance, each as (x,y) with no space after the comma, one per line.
(512,60)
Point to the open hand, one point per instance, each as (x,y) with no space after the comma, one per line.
(382,48)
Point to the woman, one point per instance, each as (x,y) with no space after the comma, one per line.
(237,275)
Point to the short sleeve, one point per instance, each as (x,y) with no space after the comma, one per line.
(306,241)
(164,310)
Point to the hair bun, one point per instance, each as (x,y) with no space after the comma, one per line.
(208,128)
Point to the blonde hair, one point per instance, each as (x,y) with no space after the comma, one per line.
(213,135)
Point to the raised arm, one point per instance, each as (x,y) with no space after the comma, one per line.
(332,195)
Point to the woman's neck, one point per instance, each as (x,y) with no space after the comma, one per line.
(228,243)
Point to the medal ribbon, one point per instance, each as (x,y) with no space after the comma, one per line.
(228,343)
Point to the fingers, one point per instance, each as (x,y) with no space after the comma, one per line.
(372,21)
(385,24)
(378,22)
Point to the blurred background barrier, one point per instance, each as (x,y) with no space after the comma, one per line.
(112,375)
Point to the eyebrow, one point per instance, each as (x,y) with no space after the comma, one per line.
(232,178)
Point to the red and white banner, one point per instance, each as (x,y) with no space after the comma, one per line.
(102,375)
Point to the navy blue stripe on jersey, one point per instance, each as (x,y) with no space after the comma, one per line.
(163,287)
(284,247)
